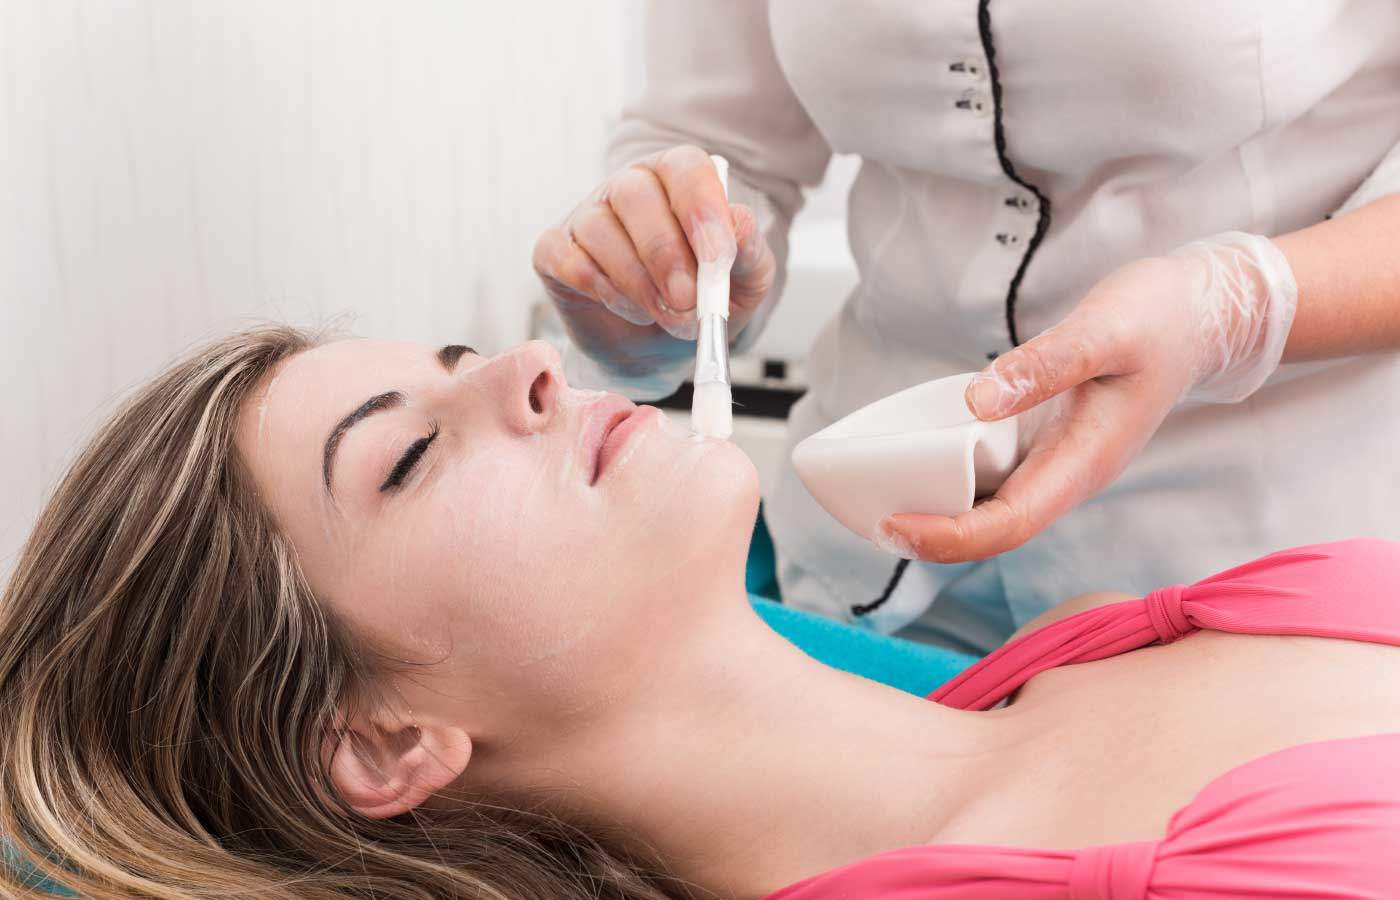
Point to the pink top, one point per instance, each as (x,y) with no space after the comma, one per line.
(1316,821)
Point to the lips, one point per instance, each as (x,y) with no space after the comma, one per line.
(600,420)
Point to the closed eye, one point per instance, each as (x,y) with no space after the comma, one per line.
(410,458)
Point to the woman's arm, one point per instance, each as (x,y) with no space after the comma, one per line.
(1348,274)
(1348,303)
(1210,322)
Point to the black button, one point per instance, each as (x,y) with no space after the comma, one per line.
(774,368)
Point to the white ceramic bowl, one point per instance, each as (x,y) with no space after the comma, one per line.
(918,451)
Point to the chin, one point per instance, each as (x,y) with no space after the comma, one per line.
(734,478)
(745,474)
(713,516)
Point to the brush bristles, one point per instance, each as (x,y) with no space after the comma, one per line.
(712,410)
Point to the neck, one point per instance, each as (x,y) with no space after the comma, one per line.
(748,765)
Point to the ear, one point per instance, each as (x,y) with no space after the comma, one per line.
(383,766)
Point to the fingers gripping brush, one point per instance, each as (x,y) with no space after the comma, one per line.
(711,409)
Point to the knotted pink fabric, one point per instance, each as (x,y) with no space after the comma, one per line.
(1112,872)
(1168,618)
(1332,590)
(1320,821)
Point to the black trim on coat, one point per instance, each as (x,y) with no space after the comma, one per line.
(1042,225)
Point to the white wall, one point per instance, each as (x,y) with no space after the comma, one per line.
(170,168)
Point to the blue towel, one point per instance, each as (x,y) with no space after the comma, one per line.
(909,666)
(31,879)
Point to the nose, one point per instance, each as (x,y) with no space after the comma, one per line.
(533,377)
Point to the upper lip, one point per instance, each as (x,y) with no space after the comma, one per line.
(599,419)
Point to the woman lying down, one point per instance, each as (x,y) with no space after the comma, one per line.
(371,619)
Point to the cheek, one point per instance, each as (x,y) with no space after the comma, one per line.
(446,570)
(516,571)
(508,549)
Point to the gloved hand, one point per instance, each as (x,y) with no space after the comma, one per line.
(621,267)
(1208,322)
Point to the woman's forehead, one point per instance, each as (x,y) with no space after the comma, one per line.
(299,404)
(309,392)
(343,374)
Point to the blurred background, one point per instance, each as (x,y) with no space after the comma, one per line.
(172,170)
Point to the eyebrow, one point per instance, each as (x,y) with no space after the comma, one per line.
(449,355)
(377,403)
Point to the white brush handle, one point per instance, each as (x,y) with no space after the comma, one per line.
(722,170)
(712,278)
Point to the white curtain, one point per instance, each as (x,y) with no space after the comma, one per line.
(172,168)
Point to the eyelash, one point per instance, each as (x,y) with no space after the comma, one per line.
(410,458)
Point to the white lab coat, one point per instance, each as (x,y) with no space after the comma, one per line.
(1128,129)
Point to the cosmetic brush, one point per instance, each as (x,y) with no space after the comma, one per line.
(711,409)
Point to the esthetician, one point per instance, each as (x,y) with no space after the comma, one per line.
(1181,218)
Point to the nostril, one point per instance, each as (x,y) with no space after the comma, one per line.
(537,389)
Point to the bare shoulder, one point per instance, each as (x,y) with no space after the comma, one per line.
(1070,607)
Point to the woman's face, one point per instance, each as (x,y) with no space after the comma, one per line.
(531,542)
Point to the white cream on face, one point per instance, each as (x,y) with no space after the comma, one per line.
(497,563)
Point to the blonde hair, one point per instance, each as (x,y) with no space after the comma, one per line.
(167,682)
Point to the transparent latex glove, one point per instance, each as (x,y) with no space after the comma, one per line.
(1208,322)
(621,266)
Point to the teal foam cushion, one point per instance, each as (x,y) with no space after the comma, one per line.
(761,571)
(29,876)
(907,665)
